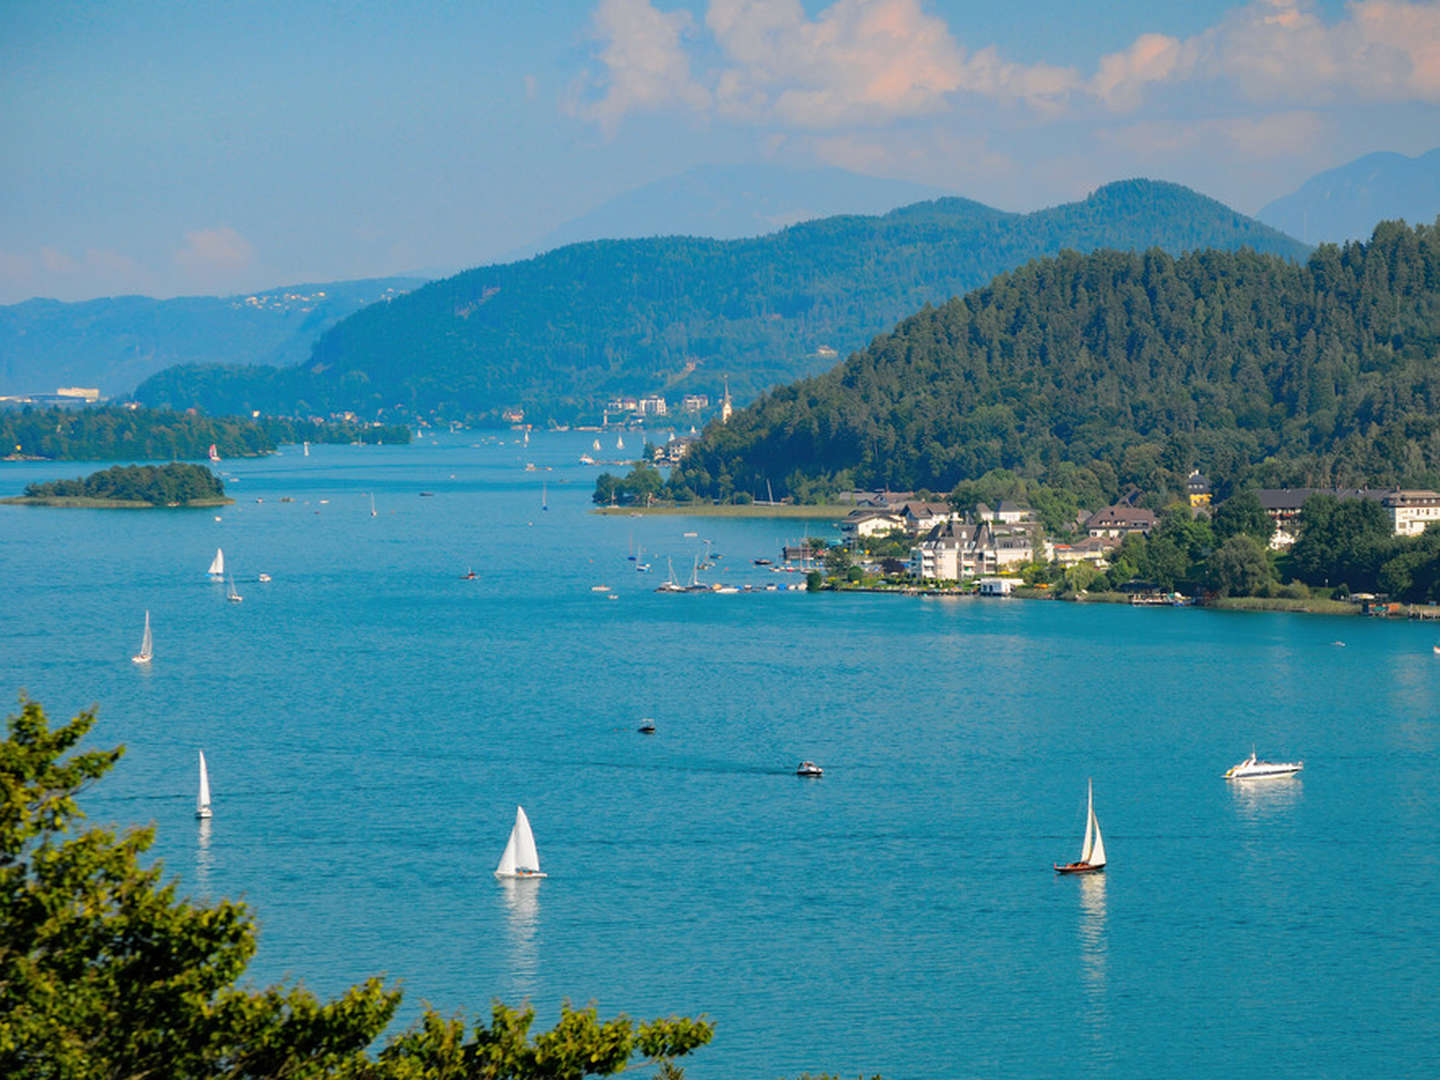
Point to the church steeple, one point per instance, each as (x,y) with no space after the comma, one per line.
(725,407)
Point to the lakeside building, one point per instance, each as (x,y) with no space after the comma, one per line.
(694,402)
(952,550)
(1092,549)
(1409,511)
(653,405)
(1120,521)
(861,524)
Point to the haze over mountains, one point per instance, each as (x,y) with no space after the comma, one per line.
(559,334)
(726,202)
(114,344)
(1346,203)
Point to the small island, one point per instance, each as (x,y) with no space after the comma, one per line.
(126,487)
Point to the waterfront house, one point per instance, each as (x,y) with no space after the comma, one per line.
(1092,549)
(860,524)
(1411,511)
(996,586)
(1120,521)
(921,517)
(1284,505)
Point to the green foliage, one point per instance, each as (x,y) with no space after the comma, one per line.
(1243,514)
(814,581)
(639,486)
(1133,368)
(1240,567)
(158,485)
(558,334)
(113,432)
(1341,540)
(105,972)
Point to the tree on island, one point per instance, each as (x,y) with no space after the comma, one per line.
(105,972)
(157,485)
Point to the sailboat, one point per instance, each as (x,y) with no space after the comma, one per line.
(1092,853)
(306,448)
(230,593)
(596,447)
(619,442)
(372,504)
(202,801)
(217,564)
(520,860)
(214,454)
(544,497)
(147,649)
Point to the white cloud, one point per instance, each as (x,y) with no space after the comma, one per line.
(1284,51)
(646,66)
(220,248)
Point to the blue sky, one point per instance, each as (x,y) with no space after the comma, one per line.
(183,148)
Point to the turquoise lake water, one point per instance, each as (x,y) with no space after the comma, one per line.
(371,721)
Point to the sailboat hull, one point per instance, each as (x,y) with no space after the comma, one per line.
(524,874)
(1079,868)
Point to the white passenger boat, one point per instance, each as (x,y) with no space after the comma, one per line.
(1253,769)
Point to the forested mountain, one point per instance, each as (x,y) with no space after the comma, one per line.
(560,333)
(1348,202)
(1091,373)
(115,343)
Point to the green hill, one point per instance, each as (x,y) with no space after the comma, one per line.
(559,334)
(1091,373)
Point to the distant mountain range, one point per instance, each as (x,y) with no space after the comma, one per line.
(1347,203)
(115,343)
(558,334)
(726,202)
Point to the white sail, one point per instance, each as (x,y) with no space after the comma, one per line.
(202,801)
(1097,850)
(147,646)
(1093,853)
(520,859)
(597,444)
(230,592)
(619,442)
(217,564)
(306,448)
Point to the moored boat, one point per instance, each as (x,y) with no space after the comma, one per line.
(809,768)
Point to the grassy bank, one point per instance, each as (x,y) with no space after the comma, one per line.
(83,502)
(1314,605)
(727,510)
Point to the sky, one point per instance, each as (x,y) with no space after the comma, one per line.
(178,148)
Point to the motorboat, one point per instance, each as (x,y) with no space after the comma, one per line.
(808,768)
(1254,769)
(647,726)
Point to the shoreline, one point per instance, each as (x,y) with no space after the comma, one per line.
(85,502)
(828,511)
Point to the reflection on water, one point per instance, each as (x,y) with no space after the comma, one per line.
(1093,967)
(522,920)
(204,859)
(1258,799)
